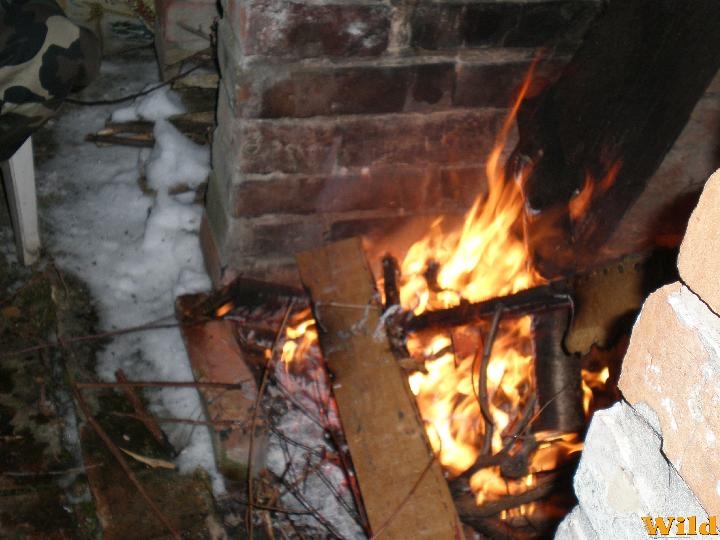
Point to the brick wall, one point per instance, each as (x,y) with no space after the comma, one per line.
(360,117)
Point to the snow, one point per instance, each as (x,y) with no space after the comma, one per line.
(136,250)
(125,221)
(157,105)
(175,159)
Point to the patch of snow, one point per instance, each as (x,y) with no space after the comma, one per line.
(176,159)
(135,251)
(157,105)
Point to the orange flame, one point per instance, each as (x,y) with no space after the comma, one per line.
(579,204)
(485,259)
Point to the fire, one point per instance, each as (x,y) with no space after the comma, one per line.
(300,336)
(578,205)
(486,258)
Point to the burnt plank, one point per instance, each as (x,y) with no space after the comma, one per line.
(624,97)
(403,488)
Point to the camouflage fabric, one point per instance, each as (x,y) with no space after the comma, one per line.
(43,57)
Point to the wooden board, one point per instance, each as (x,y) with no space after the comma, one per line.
(625,96)
(403,488)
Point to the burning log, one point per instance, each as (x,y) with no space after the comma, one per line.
(407,496)
(534,300)
(391,270)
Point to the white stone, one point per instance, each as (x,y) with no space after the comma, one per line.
(576,526)
(623,476)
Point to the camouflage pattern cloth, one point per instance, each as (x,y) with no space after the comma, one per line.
(43,57)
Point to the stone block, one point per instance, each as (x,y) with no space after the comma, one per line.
(623,476)
(698,261)
(673,366)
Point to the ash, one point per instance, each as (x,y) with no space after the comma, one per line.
(306,453)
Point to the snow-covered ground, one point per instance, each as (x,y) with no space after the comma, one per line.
(136,248)
(113,217)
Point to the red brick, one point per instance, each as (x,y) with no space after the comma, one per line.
(329,145)
(404,189)
(358,90)
(446,25)
(291,30)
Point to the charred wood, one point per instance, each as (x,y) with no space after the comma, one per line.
(557,375)
(535,300)
(623,99)
(243,293)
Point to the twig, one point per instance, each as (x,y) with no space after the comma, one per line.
(159,384)
(115,101)
(482,391)
(74,470)
(117,454)
(195,31)
(256,408)
(325,523)
(141,411)
(95,337)
(138,141)
(189,421)
(467,507)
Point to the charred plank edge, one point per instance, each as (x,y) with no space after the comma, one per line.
(242,291)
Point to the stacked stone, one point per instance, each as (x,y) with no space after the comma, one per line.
(338,118)
(670,383)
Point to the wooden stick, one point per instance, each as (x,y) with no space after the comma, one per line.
(141,411)
(118,455)
(159,384)
(534,300)
(253,423)
(135,142)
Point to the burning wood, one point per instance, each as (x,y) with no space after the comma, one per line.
(491,408)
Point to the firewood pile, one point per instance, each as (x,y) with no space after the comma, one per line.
(338,445)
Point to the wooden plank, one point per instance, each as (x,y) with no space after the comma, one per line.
(402,485)
(625,96)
